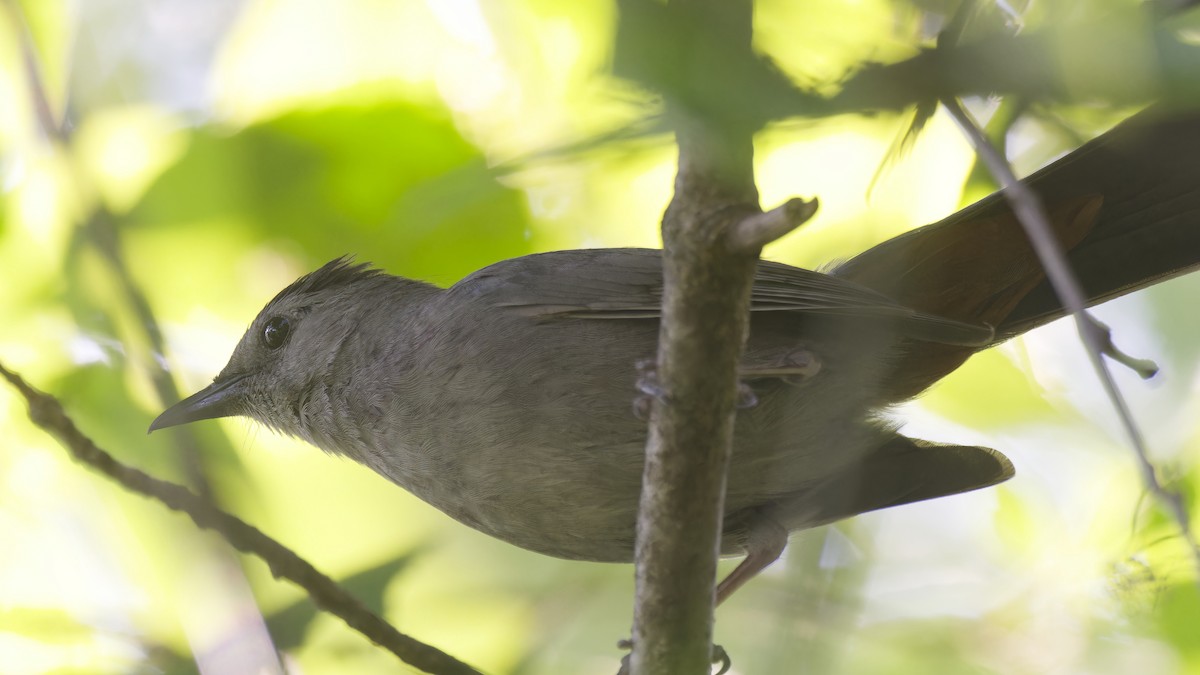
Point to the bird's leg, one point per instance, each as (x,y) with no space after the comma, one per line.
(794,367)
(764,544)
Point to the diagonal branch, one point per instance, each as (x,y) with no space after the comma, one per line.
(46,412)
(1096,337)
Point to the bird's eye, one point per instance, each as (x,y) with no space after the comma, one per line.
(275,333)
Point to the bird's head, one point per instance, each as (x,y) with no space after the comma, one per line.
(285,352)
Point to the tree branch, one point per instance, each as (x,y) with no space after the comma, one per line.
(46,412)
(713,231)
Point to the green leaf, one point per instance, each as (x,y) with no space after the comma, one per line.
(988,392)
(393,183)
(1179,618)
(289,625)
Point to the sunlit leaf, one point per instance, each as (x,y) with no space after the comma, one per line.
(394,183)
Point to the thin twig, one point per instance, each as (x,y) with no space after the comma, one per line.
(46,412)
(1096,337)
(759,229)
(33,73)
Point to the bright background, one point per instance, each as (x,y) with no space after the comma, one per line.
(239,144)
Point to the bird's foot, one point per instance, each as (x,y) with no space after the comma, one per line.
(746,398)
(647,384)
(719,656)
(801,364)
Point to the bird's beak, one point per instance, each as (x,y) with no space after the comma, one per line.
(222,398)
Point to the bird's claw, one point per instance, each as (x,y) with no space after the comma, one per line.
(647,384)
(627,645)
(746,398)
(719,655)
(805,365)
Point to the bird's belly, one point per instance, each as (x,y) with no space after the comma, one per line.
(578,500)
(579,510)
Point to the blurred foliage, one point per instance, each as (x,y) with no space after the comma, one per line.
(391,179)
(236,144)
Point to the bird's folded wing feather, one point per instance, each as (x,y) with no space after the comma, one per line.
(627,284)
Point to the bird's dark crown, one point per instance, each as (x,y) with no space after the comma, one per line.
(337,273)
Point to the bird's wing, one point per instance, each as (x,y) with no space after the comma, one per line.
(626,283)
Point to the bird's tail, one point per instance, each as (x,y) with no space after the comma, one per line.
(1125,206)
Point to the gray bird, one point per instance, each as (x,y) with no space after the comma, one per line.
(510,401)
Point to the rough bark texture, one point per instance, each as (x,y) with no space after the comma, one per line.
(705,309)
(705,317)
